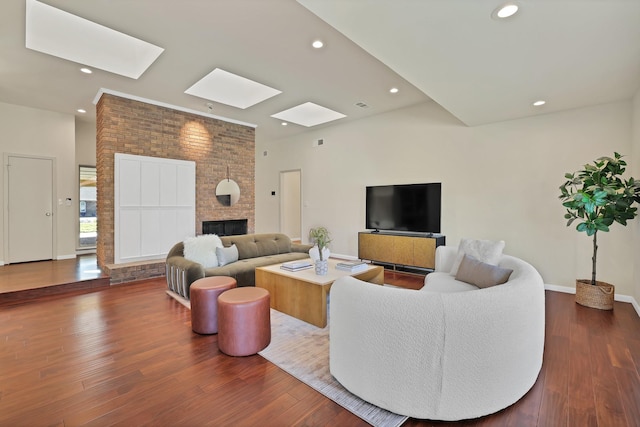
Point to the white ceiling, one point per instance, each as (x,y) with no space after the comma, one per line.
(571,53)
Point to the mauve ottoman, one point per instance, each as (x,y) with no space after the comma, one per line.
(204,302)
(244,322)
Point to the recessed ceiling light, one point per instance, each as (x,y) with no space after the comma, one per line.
(86,70)
(80,110)
(393,90)
(539,103)
(284,123)
(505,11)
(317,44)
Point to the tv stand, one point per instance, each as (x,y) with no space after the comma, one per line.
(416,250)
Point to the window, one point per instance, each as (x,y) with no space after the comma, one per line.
(88,217)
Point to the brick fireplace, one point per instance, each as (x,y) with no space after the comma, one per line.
(133,127)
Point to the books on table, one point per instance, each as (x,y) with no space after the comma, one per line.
(352,266)
(296,265)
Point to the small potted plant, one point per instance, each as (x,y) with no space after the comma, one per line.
(598,196)
(321,238)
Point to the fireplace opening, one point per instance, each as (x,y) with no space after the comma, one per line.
(227,227)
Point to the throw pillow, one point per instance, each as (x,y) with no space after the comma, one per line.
(486,251)
(227,255)
(202,249)
(481,274)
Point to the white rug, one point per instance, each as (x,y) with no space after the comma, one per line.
(302,350)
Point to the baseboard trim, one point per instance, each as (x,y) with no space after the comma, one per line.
(635,305)
(85,251)
(617,297)
(344,257)
(59,257)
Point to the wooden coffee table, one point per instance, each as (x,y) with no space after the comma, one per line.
(303,294)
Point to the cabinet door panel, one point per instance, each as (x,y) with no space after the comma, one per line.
(375,247)
(424,253)
(402,251)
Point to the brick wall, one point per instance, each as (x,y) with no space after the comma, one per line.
(133,127)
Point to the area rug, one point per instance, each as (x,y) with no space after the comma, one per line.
(302,350)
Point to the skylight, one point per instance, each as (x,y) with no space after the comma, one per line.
(67,36)
(308,114)
(230,89)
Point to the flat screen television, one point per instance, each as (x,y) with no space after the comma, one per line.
(407,208)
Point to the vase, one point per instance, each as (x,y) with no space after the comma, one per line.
(322,267)
(314,253)
(599,296)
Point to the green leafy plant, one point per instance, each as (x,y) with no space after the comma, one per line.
(598,196)
(321,237)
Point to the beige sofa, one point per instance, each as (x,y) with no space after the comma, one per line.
(254,250)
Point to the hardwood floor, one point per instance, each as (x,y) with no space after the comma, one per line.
(23,281)
(126,355)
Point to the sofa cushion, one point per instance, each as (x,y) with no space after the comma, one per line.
(202,249)
(486,251)
(258,245)
(227,255)
(243,270)
(481,274)
(445,283)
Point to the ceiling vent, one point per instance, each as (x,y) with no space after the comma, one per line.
(361,105)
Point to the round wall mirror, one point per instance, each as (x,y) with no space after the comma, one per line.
(227,192)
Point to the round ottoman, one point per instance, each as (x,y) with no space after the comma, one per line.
(244,322)
(204,302)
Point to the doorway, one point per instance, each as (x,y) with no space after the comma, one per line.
(29,203)
(88,226)
(291,204)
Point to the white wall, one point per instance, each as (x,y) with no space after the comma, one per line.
(44,133)
(635,169)
(85,144)
(499,181)
(290,197)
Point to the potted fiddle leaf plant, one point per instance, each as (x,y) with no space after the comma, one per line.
(321,238)
(597,196)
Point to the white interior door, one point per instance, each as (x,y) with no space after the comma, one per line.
(30,210)
(290,204)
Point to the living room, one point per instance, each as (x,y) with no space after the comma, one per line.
(499,180)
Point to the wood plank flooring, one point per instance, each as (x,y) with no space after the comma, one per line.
(126,355)
(23,281)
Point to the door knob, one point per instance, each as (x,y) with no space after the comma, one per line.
(48,214)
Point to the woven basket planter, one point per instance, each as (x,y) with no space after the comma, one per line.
(599,296)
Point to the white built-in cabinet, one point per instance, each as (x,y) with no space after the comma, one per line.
(154,206)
